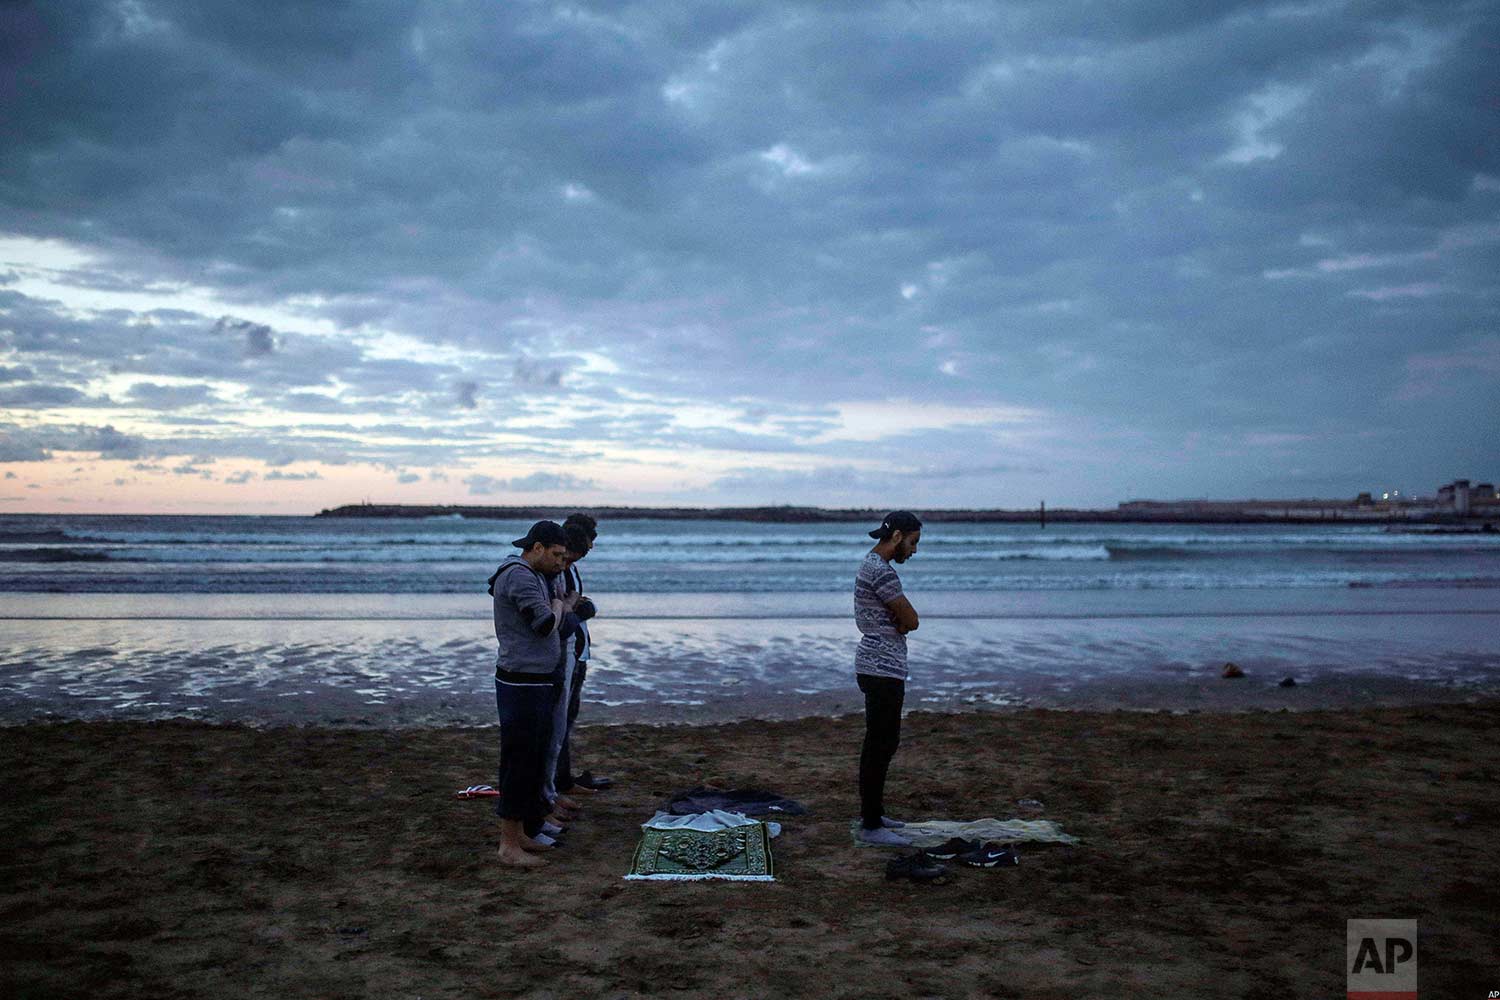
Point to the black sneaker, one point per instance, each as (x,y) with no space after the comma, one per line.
(953,848)
(990,856)
(917,866)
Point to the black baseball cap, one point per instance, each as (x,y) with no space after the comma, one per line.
(897,520)
(549,533)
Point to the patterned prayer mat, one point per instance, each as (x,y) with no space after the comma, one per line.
(740,854)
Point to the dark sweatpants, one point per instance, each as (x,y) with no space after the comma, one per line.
(883,699)
(525,712)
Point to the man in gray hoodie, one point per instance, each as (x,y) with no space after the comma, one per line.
(530,626)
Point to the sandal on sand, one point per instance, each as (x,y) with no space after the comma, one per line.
(991,855)
(919,867)
(476,792)
(953,848)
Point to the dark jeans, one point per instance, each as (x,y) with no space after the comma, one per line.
(564,779)
(525,712)
(883,699)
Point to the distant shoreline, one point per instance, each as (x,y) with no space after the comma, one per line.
(1252,512)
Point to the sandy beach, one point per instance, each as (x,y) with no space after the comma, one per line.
(1219,856)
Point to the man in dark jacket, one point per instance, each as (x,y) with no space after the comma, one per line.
(559,785)
(581,531)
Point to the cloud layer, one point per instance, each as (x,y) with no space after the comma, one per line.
(952,253)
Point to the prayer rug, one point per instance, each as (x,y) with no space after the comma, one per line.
(739,854)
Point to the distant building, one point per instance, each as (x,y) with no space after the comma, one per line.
(1457,498)
(1460,498)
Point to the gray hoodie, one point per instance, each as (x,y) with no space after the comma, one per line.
(522,606)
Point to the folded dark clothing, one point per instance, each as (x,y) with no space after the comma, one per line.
(748,801)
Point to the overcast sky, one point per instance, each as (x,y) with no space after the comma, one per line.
(276,256)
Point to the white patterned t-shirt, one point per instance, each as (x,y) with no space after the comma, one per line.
(882,647)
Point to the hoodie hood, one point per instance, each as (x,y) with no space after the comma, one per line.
(505,564)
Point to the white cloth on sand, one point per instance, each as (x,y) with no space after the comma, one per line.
(933,832)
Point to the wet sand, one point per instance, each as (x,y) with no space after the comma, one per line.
(1220,855)
(428,673)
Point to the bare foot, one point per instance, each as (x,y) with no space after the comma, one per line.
(580,790)
(566,803)
(520,859)
(535,847)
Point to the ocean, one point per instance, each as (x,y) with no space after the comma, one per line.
(374,622)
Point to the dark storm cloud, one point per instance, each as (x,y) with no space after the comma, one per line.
(166,342)
(40,396)
(539,374)
(845,485)
(258,339)
(1224,219)
(467,393)
(17,448)
(481,485)
(282,445)
(29,444)
(297,373)
(168,397)
(110,443)
(306,402)
(766,481)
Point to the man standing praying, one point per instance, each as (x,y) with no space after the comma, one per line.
(561,786)
(883,616)
(531,623)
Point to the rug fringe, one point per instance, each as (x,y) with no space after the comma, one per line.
(699,878)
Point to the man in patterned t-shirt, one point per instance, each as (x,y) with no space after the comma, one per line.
(884,616)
